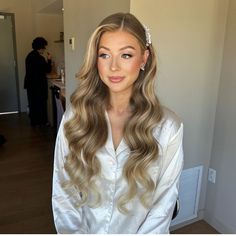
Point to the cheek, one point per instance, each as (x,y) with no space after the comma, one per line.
(133,67)
(101,68)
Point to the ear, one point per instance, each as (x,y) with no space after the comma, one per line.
(145,56)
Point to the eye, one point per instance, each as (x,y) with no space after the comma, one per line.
(103,55)
(126,56)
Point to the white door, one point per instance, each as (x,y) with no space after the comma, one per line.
(9,96)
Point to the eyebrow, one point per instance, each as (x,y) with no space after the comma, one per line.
(123,48)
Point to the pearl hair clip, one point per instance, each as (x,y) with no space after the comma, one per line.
(148,36)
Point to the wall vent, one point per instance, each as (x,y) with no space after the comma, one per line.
(189,192)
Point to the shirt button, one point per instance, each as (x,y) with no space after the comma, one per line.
(112,162)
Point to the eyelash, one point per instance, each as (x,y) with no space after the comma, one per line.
(124,56)
(104,55)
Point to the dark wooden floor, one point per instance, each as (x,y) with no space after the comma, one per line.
(25,180)
(199,227)
(25,176)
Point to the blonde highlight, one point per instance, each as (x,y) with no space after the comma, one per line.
(89,103)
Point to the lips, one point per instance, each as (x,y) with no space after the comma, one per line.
(116,79)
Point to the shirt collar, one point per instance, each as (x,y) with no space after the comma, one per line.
(109,143)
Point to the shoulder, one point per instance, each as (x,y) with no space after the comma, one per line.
(170,118)
(61,131)
(32,55)
(169,126)
(68,114)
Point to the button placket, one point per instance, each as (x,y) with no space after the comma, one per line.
(112,189)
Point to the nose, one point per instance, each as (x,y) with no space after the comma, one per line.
(114,66)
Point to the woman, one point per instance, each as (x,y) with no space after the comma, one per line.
(118,154)
(36,82)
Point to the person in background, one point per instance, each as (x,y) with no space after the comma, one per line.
(36,82)
(118,153)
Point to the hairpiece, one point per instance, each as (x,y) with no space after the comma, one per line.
(148,36)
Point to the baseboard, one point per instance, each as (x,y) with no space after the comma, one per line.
(219,226)
(178,226)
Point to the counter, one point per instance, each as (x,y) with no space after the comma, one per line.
(55,80)
(55,84)
(59,84)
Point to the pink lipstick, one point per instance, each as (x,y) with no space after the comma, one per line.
(116,79)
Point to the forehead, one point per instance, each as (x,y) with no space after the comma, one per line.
(118,38)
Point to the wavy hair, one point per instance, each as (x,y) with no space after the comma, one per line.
(89,102)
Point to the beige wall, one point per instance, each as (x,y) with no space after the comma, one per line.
(23,28)
(49,26)
(80,19)
(48,23)
(37,5)
(188,36)
(28,25)
(220,202)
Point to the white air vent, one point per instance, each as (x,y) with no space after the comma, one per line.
(189,191)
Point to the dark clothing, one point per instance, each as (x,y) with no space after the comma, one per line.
(2,139)
(37,88)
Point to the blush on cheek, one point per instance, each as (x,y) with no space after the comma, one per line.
(134,68)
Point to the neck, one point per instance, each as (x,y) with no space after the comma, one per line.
(119,103)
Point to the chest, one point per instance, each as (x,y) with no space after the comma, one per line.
(117,124)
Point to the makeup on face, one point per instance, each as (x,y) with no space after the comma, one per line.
(119,60)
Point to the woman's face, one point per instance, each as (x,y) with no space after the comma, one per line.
(119,60)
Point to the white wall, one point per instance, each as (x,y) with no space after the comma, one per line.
(80,19)
(188,36)
(220,202)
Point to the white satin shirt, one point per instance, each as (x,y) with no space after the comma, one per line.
(107,219)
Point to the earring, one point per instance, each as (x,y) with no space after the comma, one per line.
(142,67)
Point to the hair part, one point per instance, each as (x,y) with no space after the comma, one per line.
(89,102)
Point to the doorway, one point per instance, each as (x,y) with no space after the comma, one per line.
(9,85)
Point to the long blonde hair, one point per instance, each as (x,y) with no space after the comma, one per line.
(87,130)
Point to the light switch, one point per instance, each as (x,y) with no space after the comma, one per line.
(72,43)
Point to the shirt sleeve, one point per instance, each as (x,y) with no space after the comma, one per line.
(67,216)
(159,218)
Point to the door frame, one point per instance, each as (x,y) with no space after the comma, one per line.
(15,58)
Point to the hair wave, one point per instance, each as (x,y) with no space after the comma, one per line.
(89,102)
